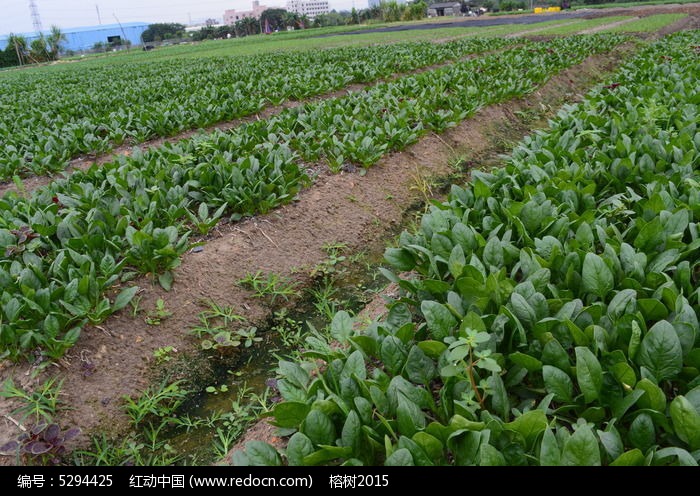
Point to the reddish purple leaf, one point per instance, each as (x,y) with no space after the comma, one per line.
(52,432)
(37,448)
(71,433)
(9,448)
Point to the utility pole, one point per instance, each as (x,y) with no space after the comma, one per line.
(36,19)
(126,41)
(17,51)
(99,20)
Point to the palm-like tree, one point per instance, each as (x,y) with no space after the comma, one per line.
(304,21)
(248,25)
(38,51)
(54,41)
(21,46)
(290,19)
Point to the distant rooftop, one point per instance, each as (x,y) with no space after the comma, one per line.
(81,29)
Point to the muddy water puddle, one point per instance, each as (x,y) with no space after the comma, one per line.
(242,384)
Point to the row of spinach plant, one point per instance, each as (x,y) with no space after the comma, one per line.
(549,309)
(53,114)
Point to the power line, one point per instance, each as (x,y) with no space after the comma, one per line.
(36,19)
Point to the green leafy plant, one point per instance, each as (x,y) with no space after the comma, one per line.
(158,402)
(39,405)
(550,311)
(216,390)
(291,331)
(331,265)
(155,317)
(324,301)
(163,354)
(129,216)
(202,221)
(42,443)
(270,286)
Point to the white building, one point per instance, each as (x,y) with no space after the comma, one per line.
(310,8)
(231,16)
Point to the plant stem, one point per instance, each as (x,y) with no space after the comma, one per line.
(479,398)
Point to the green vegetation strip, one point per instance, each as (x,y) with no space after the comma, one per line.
(303,40)
(73,240)
(52,116)
(617,5)
(581,25)
(551,314)
(647,24)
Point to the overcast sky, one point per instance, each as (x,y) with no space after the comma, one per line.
(15,17)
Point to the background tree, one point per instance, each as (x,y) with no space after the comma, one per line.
(333,18)
(291,19)
(54,41)
(163,31)
(247,26)
(415,11)
(391,11)
(275,17)
(304,22)
(38,51)
(19,46)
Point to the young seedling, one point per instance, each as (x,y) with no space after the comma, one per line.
(271,285)
(155,317)
(164,354)
(37,406)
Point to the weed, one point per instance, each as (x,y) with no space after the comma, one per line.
(135,306)
(227,314)
(224,441)
(290,331)
(422,184)
(129,451)
(248,337)
(157,401)
(40,405)
(271,285)
(324,302)
(232,339)
(188,422)
(206,327)
(159,314)
(163,354)
(330,265)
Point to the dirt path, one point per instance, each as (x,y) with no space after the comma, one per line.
(346,208)
(603,27)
